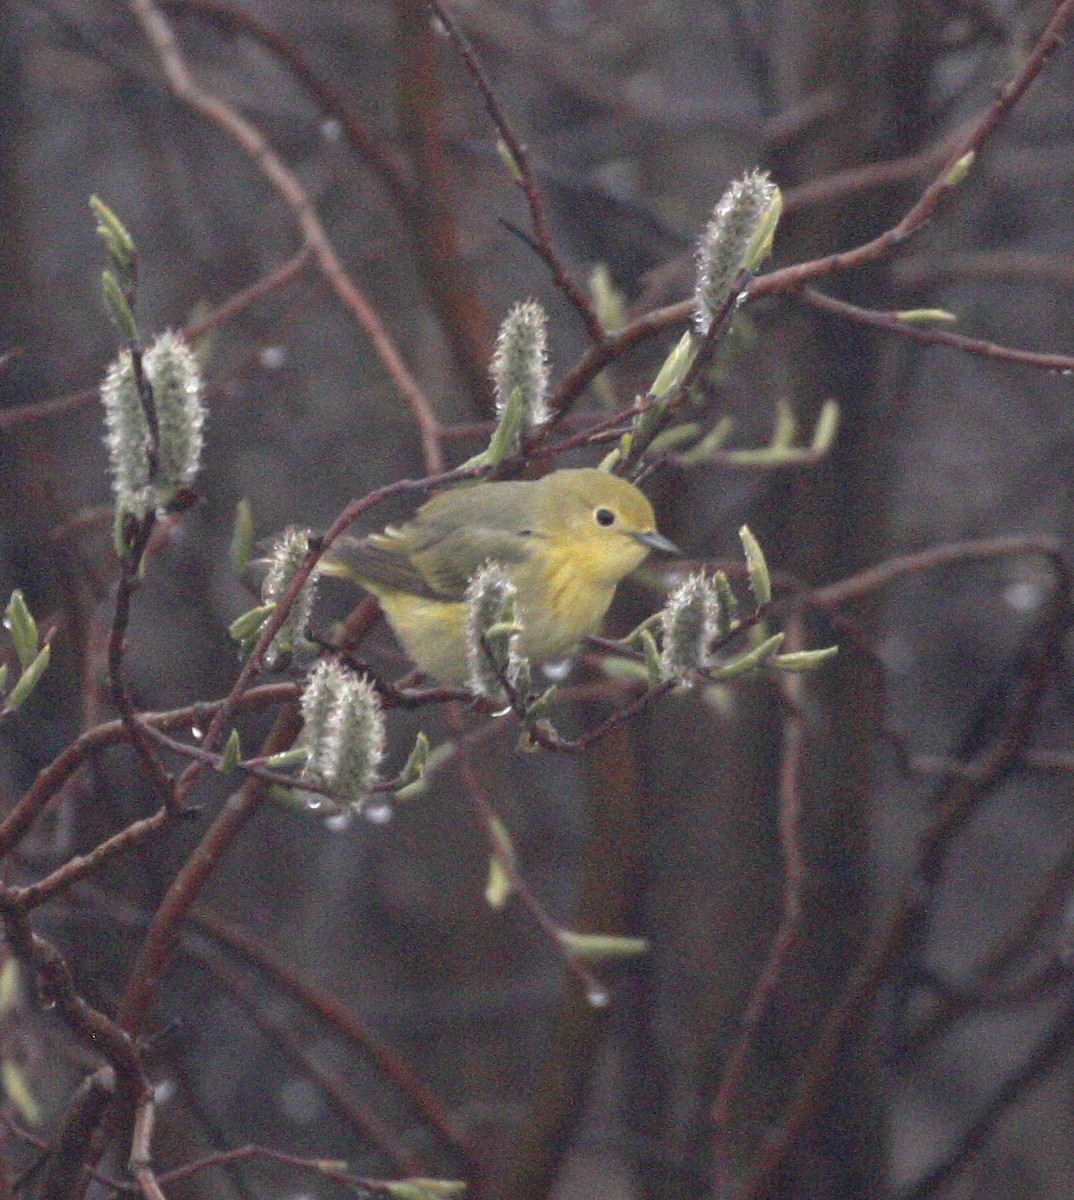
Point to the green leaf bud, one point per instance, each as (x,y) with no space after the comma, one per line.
(28,680)
(242,537)
(232,753)
(804,660)
(117,241)
(595,947)
(19,622)
(760,581)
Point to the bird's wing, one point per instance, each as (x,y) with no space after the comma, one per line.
(431,562)
(452,558)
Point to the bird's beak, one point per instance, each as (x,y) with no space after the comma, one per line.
(656,541)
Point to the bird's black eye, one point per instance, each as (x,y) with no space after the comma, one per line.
(604,516)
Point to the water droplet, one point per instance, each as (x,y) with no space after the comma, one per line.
(1024,596)
(331,129)
(272,357)
(314,801)
(338,821)
(557,669)
(378,814)
(1066,372)
(598,997)
(196,732)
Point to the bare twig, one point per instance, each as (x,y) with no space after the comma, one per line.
(787,933)
(543,242)
(790,278)
(345,1022)
(1041,1059)
(250,139)
(892,323)
(962,798)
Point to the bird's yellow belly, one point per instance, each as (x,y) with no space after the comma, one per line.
(432,632)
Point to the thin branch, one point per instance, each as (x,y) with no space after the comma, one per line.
(788,931)
(892,323)
(1038,1063)
(329,1083)
(963,797)
(163,934)
(345,1022)
(524,177)
(250,139)
(789,278)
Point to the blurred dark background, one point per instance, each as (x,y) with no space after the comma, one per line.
(636,116)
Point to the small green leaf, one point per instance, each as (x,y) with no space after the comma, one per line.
(414,767)
(925,316)
(760,581)
(504,440)
(537,708)
(244,629)
(677,435)
(232,754)
(422,1189)
(498,889)
(607,299)
(9,986)
(827,427)
(652,658)
(749,661)
(18,1092)
(674,370)
(760,245)
(960,169)
(804,660)
(728,603)
(295,757)
(712,442)
(28,680)
(595,947)
(117,241)
(118,308)
(509,161)
(242,536)
(786,426)
(625,670)
(3,677)
(19,622)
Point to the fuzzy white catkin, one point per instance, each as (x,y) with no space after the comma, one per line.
(344,732)
(730,242)
(520,361)
(691,622)
(489,596)
(175,379)
(287,555)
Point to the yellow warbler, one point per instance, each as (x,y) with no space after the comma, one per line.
(564,542)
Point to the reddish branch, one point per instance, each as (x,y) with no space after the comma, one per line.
(892,323)
(523,174)
(787,934)
(250,139)
(790,278)
(962,799)
(345,1022)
